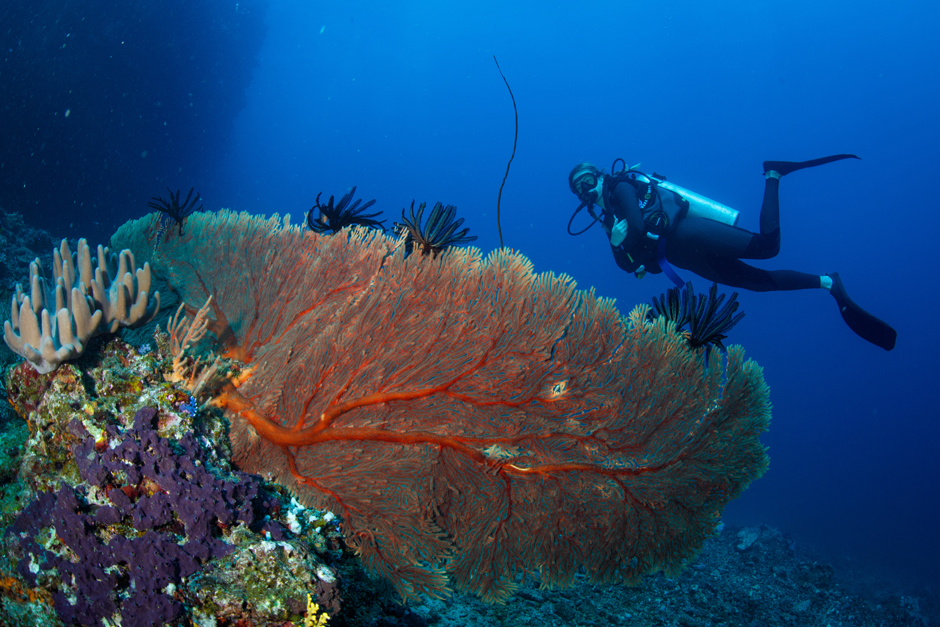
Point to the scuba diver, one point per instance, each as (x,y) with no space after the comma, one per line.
(654,224)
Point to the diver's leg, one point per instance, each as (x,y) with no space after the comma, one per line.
(708,237)
(766,244)
(788,280)
(736,273)
(701,236)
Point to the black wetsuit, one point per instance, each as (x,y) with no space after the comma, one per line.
(713,250)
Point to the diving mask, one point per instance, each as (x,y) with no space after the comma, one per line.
(587,187)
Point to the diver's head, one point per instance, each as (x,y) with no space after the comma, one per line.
(586,182)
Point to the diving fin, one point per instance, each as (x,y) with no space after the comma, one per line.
(785,167)
(863,323)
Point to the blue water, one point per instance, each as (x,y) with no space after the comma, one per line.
(404,100)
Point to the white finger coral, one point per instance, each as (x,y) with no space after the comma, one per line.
(49,326)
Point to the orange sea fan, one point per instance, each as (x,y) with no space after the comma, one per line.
(469,420)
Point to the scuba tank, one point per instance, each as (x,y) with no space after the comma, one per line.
(700,206)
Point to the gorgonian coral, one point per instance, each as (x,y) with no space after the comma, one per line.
(472,422)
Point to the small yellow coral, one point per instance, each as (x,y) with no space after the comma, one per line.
(312,619)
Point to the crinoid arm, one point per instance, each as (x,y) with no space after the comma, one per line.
(711,321)
(708,319)
(174,208)
(673,305)
(438,233)
(321,222)
(332,219)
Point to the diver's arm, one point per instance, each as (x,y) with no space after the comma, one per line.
(626,206)
(624,203)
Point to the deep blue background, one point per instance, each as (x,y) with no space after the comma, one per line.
(105,103)
(403,99)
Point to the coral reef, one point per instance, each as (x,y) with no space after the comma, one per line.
(119,415)
(470,422)
(774,583)
(127,508)
(147,486)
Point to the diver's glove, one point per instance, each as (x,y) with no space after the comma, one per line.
(618,233)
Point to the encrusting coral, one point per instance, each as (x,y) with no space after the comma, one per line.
(128,511)
(53,324)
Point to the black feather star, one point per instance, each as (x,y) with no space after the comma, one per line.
(438,233)
(174,209)
(332,219)
(707,320)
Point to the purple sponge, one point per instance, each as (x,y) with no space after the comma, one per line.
(163,488)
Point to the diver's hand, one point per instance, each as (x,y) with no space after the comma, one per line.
(618,233)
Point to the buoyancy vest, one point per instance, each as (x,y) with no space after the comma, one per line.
(661,208)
